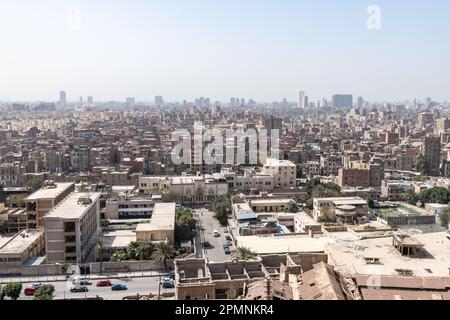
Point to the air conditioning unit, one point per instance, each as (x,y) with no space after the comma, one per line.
(85,200)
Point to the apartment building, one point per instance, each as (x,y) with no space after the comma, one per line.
(11,174)
(284,172)
(130,207)
(72,228)
(21,248)
(361,175)
(39,203)
(342,206)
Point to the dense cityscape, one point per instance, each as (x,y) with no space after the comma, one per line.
(348,202)
(224,159)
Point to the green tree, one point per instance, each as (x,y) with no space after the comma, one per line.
(3,227)
(34,185)
(292,207)
(244,254)
(185,224)
(145,250)
(222,208)
(439,195)
(311,184)
(13,290)
(132,250)
(45,292)
(422,165)
(445,217)
(64,267)
(412,197)
(100,244)
(118,256)
(2,194)
(310,204)
(299,172)
(163,252)
(325,191)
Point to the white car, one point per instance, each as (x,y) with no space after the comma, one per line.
(216,233)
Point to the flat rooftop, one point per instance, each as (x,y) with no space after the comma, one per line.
(20,242)
(71,208)
(163,218)
(118,238)
(352,256)
(283,244)
(269,201)
(276,162)
(49,193)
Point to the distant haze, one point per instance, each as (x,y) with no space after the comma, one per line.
(260,49)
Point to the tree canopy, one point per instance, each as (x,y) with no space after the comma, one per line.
(45,292)
(445,217)
(222,208)
(13,290)
(244,254)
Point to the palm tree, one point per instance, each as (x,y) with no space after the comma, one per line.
(132,250)
(145,251)
(164,251)
(243,253)
(100,246)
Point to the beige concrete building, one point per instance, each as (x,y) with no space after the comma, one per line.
(161,226)
(346,207)
(17,250)
(45,199)
(284,172)
(72,228)
(129,207)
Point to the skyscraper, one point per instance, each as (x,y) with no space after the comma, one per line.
(90,100)
(301,100)
(232,102)
(130,101)
(62,98)
(360,102)
(342,101)
(159,101)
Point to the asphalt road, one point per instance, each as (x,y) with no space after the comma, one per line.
(209,223)
(142,286)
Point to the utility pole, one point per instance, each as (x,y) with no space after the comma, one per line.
(159,287)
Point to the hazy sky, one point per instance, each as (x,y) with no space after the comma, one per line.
(260,49)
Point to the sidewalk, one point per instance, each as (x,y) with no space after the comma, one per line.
(57,278)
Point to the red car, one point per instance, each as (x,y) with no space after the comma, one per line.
(31,289)
(104,283)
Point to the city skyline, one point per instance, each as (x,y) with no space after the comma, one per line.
(264,51)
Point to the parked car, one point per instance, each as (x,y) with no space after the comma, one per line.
(167,278)
(227,250)
(228,237)
(216,233)
(225,230)
(79,289)
(119,287)
(227,243)
(206,244)
(31,289)
(104,283)
(168,284)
